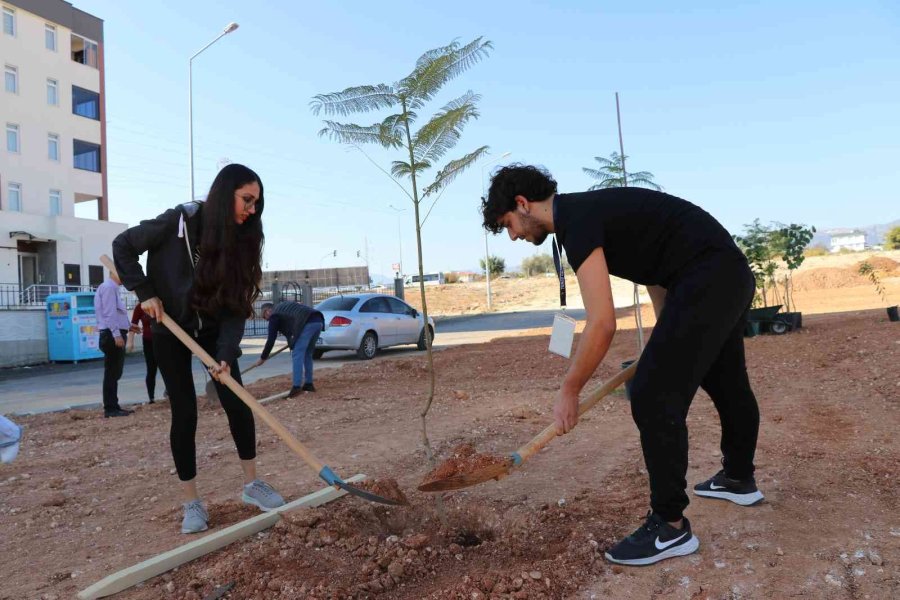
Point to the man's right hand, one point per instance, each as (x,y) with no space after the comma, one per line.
(153,307)
(259,362)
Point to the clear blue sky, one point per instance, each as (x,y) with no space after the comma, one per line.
(786,111)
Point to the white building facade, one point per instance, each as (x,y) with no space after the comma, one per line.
(851,239)
(53,150)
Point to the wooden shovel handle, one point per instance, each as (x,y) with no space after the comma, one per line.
(544,437)
(254,365)
(258,409)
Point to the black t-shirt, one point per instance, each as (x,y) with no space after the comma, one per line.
(648,237)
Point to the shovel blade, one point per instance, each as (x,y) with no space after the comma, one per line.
(366,495)
(464,480)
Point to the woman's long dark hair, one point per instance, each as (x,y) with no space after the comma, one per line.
(229,268)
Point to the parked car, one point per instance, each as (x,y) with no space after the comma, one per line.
(367,322)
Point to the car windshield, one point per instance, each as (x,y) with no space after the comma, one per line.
(338,303)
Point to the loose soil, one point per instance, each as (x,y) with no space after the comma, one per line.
(89,496)
(464,460)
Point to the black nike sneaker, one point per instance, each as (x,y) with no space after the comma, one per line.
(654,541)
(743,492)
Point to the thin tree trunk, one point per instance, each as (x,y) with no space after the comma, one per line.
(429,453)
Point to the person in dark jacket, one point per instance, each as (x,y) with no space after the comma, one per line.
(701,287)
(301,326)
(145,329)
(203,270)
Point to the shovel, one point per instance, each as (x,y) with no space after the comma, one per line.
(212,395)
(500,469)
(324,471)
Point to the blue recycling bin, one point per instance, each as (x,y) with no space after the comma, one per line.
(72,332)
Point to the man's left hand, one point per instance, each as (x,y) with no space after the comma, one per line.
(565,411)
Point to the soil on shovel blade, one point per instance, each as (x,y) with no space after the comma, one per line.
(464,460)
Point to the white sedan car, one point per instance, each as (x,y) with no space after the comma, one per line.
(367,322)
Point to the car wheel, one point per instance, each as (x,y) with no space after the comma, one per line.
(368,346)
(421,343)
(317,354)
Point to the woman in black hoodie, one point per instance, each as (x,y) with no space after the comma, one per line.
(203,270)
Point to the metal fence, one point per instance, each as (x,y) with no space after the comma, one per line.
(34,297)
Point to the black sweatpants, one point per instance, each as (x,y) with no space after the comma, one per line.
(174,361)
(150,360)
(113,363)
(697,342)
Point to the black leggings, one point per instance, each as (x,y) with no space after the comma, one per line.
(150,359)
(175,365)
(697,342)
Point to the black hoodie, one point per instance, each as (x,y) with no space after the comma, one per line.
(171,242)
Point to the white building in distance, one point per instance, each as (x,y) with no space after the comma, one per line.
(851,239)
(53,150)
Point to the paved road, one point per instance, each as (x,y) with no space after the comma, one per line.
(52,387)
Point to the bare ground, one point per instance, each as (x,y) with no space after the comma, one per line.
(90,496)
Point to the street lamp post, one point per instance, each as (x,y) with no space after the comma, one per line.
(231,27)
(487,260)
(399,236)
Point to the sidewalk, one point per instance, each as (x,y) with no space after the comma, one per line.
(55,387)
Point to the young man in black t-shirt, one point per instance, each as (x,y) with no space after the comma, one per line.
(701,287)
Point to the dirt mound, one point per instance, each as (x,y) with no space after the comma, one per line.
(882,264)
(828,278)
(351,549)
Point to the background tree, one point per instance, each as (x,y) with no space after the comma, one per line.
(421,149)
(609,175)
(539,263)
(498,265)
(892,239)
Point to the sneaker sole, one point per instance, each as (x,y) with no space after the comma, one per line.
(248,500)
(188,531)
(741,499)
(689,547)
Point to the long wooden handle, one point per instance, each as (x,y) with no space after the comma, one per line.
(245,396)
(254,365)
(544,437)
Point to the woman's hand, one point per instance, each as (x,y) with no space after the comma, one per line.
(153,307)
(216,371)
(565,411)
(259,363)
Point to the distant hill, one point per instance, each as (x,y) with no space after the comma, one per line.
(874,233)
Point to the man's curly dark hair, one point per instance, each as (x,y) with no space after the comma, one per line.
(535,183)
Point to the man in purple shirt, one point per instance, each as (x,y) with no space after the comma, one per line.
(112,321)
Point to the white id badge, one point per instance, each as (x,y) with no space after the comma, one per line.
(563,335)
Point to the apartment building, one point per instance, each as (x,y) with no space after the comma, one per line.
(53,150)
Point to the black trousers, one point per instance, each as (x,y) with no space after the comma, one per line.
(697,342)
(174,361)
(150,360)
(113,363)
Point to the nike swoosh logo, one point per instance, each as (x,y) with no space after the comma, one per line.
(713,486)
(664,545)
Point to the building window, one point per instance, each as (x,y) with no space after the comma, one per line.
(55,202)
(85,103)
(87,156)
(12,137)
(9,21)
(50,37)
(53,147)
(84,51)
(14,194)
(11,78)
(52,92)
